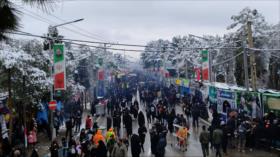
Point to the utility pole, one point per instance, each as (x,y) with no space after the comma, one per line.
(245,62)
(252,56)
(210,66)
(186,70)
(51,88)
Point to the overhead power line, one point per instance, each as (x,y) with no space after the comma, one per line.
(227,60)
(50,22)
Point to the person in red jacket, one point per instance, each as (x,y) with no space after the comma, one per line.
(88,122)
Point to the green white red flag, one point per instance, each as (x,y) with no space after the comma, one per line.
(59,67)
(205,65)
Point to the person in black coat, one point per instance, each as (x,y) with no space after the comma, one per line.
(160,147)
(154,140)
(135,146)
(54,149)
(141,119)
(69,127)
(109,122)
(117,121)
(142,134)
(101,150)
(171,118)
(128,124)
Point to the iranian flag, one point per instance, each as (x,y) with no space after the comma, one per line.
(101,74)
(205,65)
(59,67)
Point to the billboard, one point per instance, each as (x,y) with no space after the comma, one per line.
(271,102)
(249,103)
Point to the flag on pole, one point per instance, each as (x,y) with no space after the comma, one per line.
(205,65)
(59,67)
(101,74)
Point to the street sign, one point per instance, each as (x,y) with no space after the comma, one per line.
(52,105)
(59,67)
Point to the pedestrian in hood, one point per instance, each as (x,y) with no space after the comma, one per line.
(110,133)
(135,146)
(119,149)
(141,119)
(98,137)
(101,150)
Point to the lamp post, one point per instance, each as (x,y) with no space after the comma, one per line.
(51,70)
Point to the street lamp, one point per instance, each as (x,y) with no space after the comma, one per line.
(51,67)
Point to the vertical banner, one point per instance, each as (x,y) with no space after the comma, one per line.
(205,65)
(59,67)
(100,89)
(197,74)
(101,74)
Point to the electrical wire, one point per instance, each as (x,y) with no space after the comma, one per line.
(50,22)
(79,28)
(227,60)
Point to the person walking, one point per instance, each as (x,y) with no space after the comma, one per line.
(101,150)
(78,121)
(69,127)
(142,134)
(88,122)
(109,122)
(54,149)
(98,137)
(225,137)
(110,144)
(135,145)
(141,119)
(217,140)
(204,140)
(160,150)
(128,124)
(119,149)
(154,140)
(117,121)
(242,137)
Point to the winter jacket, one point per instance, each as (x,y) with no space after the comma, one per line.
(119,150)
(135,145)
(182,133)
(110,133)
(204,137)
(217,136)
(161,146)
(98,137)
(101,150)
(141,119)
(88,123)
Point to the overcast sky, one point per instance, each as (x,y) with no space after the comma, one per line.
(137,22)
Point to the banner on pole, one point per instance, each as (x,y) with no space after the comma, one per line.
(205,65)
(101,74)
(59,67)
(197,74)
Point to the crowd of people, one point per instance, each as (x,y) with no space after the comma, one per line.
(96,141)
(155,114)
